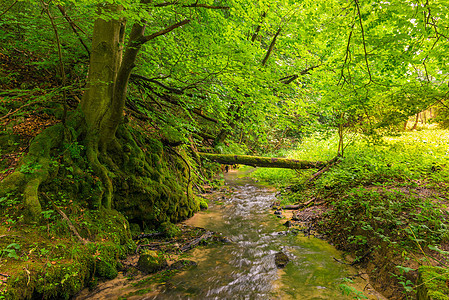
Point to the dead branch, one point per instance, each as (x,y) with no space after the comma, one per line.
(298,206)
(69,223)
(9,8)
(324,169)
(150,37)
(22,107)
(258,161)
(73,26)
(196,241)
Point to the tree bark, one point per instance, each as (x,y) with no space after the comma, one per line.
(257,161)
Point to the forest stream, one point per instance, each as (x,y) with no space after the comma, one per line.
(246,268)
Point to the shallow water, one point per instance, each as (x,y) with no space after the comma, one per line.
(246,269)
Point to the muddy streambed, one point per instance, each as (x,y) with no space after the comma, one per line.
(246,268)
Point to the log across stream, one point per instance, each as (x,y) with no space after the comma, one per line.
(246,269)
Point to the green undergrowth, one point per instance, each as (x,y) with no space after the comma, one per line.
(387,202)
(414,156)
(277,177)
(389,205)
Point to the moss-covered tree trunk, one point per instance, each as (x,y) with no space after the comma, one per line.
(98,102)
(104,101)
(102,109)
(258,161)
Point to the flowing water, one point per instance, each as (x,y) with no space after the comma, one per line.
(245,269)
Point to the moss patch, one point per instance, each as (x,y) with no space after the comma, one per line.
(46,261)
(433,283)
(151,186)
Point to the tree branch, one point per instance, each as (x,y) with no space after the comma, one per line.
(23,106)
(290,78)
(256,32)
(173,90)
(73,26)
(270,49)
(147,38)
(363,39)
(143,80)
(9,8)
(342,75)
(69,223)
(206,6)
(192,5)
(61,62)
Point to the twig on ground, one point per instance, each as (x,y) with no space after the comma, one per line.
(69,223)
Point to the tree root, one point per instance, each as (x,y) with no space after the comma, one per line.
(101,171)
(33,170)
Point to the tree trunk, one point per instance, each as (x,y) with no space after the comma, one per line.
(416,122)
(257,161)
(104,101)
(102,108)
(105,61)
(98,102)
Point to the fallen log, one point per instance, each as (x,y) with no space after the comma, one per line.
(257,161)
(326,168)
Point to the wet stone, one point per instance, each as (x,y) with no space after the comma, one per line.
(225,239)
(182,264)
(281,260)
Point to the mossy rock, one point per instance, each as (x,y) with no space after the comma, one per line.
(183,265)
(281,260)
(432,283)
(169,230)
(151,262)
(202,203)
(105,270)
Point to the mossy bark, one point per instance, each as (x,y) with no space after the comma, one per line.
(115,159)
(257,161)
(432,283)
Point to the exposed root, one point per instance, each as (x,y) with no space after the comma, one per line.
(105,198)
(33,170)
